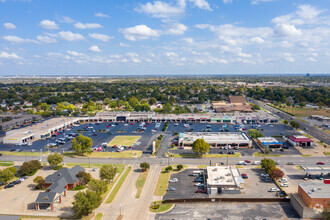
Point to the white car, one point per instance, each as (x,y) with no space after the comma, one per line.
(125,124)
(29,144)
(176,124)
(199,184)
(283,180)
(174,180)
(274,190)
(284,184)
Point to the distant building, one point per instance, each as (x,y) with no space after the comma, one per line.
(269,142)
(223,180)
(320,118)
(300,140)
(236,103)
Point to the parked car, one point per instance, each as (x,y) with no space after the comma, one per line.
(199,179)
(320,163)
(284,184)
(319,177)
(170,189)
(199,184)
(274,190)
(174,180)
(244,176)
(290,163)
(283,180)
(200,191)
(10,185)
(247,161)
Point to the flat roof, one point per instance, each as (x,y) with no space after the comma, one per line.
(222,176)
(316,168)
(268,140)
(316,190)
(215,136)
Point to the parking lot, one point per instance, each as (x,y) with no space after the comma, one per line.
(254,187)
(100,133)
(234,211)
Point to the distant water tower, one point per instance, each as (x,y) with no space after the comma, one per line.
(307,74)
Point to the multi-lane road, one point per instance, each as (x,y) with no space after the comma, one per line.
(311,130)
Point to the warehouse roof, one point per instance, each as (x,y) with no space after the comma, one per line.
(316,190)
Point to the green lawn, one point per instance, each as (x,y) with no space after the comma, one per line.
(304,112)
(14,153)
(140,183)
(206,155)
(123,154)
(259,154)
(306,155)
(326,153)
(6,163)
(118,185)
(124,140)
(162,207)
(98,216)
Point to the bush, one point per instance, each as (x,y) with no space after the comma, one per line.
(169,168)
(57,167)
(179,167)
(79,187)
(155,206)
(40,181)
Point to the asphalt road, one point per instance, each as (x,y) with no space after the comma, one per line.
(311,130)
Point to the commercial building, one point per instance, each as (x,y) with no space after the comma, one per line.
(216,139)
(315,195)
(320,118)
(300,140)
(269,142)
(57,184)
(17,120)
(223,180)
(236,103)
(38,130)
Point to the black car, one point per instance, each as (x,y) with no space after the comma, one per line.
(0,155)
(10,185)
(16,182)
(12,150)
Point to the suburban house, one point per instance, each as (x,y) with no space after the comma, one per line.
(300,140)
(57,184)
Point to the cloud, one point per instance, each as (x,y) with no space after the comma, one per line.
(101,37)
(15,39)
(123,45)
(161,9)
(257,40)
(255,2)
(311,59)
(99,14)
(227,1)
(139,32)
(47,24)
(66,19)
(288,57)
(94,49)
(46,39)
(87,25)
(286,30)
(202,4)
(9,26)
(75,54)
(176,29)
(188,40)
(5,55)
(307,12)
(69,36)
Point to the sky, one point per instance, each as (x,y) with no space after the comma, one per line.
(126,37)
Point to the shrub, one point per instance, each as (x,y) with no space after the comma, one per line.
(57,167)
(169,168)
(179,167)
(79,187)
(155,206)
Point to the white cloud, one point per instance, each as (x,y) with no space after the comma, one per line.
(75,54)
(139,32)
(286,30)
(101,37)
(161,9)
(99,14)
(15,39)
(47,24)
(9,26)
(46,39)
(176,29)
(69,36)
(189,40)
(123,45)
(202,4)
(5,55)
(94,48)
(311,59)
(288,57)
(307,12)
(66,19)
(257,40)
(87,25)
(255,2)
(227,1)
(171,54)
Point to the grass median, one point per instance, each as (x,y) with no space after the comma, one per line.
(124,140)
(118,185)
(140,183)
(6,163)
(237,154)
(123,154)
(23,153)
(158,206)
(259,154)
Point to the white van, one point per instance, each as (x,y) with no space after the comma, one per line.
(241,163)
(256,162)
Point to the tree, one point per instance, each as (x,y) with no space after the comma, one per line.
(85,203)
(169,168)
(167,108)
(200,146)
(40,181)
(285,122)
(82,144)
(54,159)
(133,102)
(29,167)
(108,172)
(98,186)
(255,107)
(267,164)
(44,107)
(84,177)
(196,110)
(254,133)
(152,101)
(295,124)
(276,173)
(144,166)
(179,167)
(6,175)
(302,104)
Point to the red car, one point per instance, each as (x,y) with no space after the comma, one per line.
(244,176)
(114,146)
(243,129)
(200,191)
(108,126)
(320,163)
(131,123)
(247,161)
(130,147)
